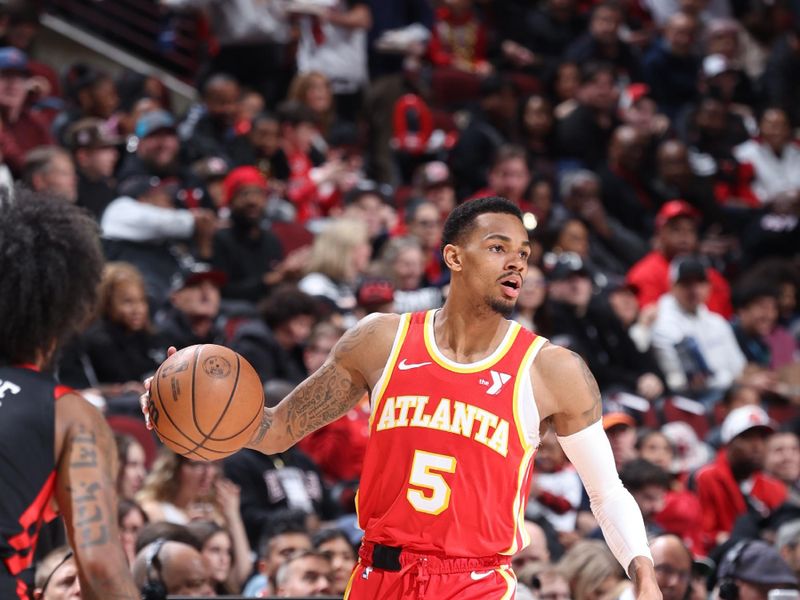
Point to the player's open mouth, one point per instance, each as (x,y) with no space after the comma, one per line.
(511,286)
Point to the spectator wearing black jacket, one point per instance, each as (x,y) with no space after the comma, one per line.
(209,128)
(122,346)
(583,134)
(278,488)
(588,326)
(192,314)
(274,343)
(671,67)
(247,251)
(489,128)
(602,42)
(94,150)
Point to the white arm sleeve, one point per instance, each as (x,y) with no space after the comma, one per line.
(613,506)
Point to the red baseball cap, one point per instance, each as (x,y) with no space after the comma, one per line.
(239,178)
(673,209)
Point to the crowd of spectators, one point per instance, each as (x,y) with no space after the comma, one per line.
(651,147)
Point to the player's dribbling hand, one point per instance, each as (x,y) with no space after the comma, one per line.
(144,399)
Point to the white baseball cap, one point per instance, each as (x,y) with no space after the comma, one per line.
(743,419)
(716,64)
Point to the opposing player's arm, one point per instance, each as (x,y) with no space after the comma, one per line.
(568,393)
(85,491)
(333,390)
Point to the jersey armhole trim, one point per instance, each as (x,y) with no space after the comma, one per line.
(383,380)
(526,412)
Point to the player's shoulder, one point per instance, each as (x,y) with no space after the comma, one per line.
(554,361)
(382,325)
(372,335)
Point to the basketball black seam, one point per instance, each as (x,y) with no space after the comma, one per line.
(258,415)
(253,420)
(222,414)
(164,409)
(190,451)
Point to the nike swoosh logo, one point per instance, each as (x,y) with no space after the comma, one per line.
(475,576)
(405,366)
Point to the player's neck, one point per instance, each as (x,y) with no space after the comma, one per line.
(466,337)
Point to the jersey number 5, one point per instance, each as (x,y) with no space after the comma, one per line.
(436,497)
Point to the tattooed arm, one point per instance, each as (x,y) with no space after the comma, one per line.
(86,494)
(565,389)
(352,368)
(567,392)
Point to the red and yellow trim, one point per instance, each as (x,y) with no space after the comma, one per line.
(511,582)
(521,538)
(456,367)
(380,387)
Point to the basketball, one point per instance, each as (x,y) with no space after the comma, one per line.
(206,402)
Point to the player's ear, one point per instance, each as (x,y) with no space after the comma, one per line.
(452,257)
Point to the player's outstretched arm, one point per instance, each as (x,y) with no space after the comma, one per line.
(568,392)
(85,491)
(335,388)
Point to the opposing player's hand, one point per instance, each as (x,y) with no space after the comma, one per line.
(144,399)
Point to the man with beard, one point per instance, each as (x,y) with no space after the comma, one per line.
(453,406)
(248,252)
(157,151)
(735,483)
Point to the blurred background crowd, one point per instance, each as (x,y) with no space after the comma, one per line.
(304,184)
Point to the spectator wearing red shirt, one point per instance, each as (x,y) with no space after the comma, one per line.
(313,184)
(676,235)
(735,483)
(22,130)
(459,38)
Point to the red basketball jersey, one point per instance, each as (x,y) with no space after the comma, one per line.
(451,446)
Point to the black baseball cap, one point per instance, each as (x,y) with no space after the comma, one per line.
(564,265)
(687,268)
(195,273)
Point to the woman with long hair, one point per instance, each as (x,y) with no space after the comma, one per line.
(228,559)
(132,469)
(339,257)
(178,489)
(314,91)
(130,518)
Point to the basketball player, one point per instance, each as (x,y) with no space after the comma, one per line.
(458,398)
(56,451)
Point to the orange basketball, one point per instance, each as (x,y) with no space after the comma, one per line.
(206,402)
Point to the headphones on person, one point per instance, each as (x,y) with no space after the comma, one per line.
(728,589)
(154,588)
(60,563)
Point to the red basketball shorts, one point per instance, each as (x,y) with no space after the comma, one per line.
(415,576)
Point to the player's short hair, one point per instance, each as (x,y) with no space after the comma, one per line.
(51,263)
(462,220)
